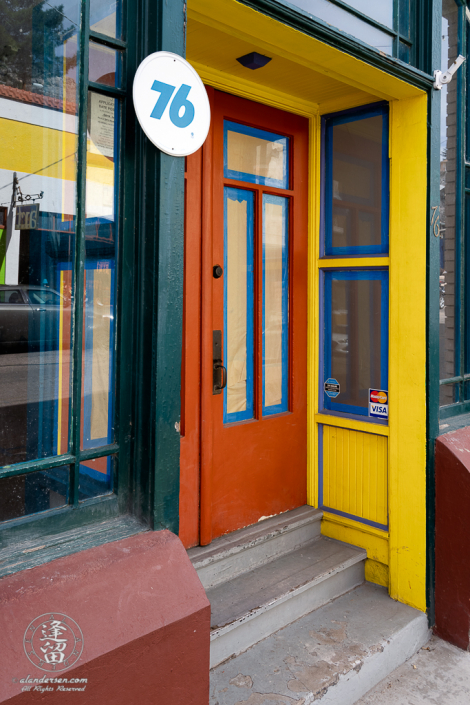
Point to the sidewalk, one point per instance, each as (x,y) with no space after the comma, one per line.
(441,677)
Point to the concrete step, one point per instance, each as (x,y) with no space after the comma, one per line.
(246,549)
(255,604)
(331,656)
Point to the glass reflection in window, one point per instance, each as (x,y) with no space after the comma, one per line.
(38,123)
(99,282)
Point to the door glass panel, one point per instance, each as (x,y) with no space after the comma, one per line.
(356,194)
(33,492)
(38,127)
(99,284)
(256,156)
(356,337)
(275,304)
(238,299)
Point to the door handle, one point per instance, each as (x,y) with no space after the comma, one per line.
(223,383)
(219,372)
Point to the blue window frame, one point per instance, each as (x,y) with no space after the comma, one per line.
(276,149)
(238,324)
(355,217)
(354,327)
(275,308)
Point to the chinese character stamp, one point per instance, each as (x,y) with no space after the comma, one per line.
(53,642)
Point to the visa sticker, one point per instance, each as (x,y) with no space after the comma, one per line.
(378,403)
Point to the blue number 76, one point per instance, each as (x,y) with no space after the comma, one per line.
(179,101)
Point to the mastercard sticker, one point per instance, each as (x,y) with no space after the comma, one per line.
(378,403)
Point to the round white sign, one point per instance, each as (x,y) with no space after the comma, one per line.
(171,104)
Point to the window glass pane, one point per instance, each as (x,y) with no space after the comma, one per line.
(275,304)
(449,394)
(106,17)
(100,280)
(380,11)
(105,65)
(356,191)
(255,155)
(404,52)
(238,304)
(38,124)
(345,21)
(96,477)
(34,492)
(404,18)
(356,337)
(449,208)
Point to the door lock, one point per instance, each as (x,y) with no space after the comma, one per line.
(219,372)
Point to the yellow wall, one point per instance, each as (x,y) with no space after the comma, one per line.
(311,79)
(407,368)
(403,567)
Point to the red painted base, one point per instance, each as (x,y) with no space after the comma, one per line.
(453,537)
(145,621)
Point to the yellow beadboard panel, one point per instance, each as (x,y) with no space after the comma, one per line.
(355,473)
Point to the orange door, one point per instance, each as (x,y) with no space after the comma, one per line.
(252,181)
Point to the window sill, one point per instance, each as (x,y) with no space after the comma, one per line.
(30,554)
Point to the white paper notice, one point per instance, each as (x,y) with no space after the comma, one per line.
(101,125)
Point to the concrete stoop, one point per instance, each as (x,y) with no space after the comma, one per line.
(333,655)
(292,620)
(264,577)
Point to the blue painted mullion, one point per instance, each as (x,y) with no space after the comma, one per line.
(283,406)
(248,196)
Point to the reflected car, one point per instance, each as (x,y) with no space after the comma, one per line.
(30,316)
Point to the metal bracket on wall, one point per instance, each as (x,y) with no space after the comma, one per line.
(445,77)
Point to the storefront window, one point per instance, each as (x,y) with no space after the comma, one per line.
(38,165)
(58,249)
